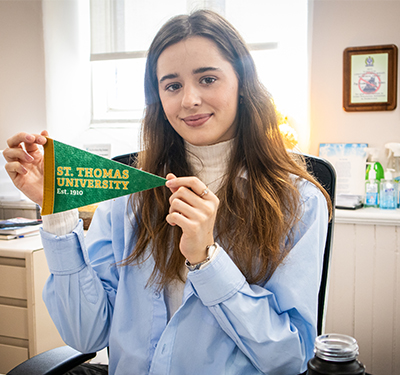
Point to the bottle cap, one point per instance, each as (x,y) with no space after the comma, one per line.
(389,174)
(394,148)
(335,347)
(372,174)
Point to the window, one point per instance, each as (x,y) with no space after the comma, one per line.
(122,30)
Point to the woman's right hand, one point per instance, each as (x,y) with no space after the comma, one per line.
(25,163)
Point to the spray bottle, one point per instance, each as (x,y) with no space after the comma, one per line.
(388,192)
(394,159)
(372,190)
(373,163)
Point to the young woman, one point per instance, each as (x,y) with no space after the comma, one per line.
(216,273)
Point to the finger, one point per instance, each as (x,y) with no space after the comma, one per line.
(13,154)
(186,195)
(184,208)
(14,169)
(30,141)
(17,139)
(33,146)
(188,220)
(171,176)
(190,182)
(177,219)
(193,207)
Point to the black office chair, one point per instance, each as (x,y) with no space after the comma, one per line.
(60,360)
(325,173)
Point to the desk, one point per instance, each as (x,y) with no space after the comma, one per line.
(364,288)
(26,328)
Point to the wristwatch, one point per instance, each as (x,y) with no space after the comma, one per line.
(210,251)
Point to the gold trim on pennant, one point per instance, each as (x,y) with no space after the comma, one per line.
(49,174)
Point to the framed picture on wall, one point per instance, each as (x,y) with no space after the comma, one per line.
(370,78)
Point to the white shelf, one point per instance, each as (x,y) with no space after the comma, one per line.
(368,216)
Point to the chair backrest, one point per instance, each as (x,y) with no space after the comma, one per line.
(128,159)
(324,172)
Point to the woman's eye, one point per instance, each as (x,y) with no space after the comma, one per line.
(173,87)
(208,80)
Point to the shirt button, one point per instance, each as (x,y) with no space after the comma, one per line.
(157,294)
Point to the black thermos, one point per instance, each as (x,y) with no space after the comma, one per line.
(335,354)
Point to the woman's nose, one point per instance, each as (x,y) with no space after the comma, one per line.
(191,97)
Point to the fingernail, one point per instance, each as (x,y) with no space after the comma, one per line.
(30,138)
(28,157)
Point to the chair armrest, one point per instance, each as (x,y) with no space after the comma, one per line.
(53,362)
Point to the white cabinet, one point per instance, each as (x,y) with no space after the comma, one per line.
(26,328)
(364,291)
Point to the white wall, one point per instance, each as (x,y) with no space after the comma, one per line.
(22,71)
(44,68)
(337,25)
(66,31)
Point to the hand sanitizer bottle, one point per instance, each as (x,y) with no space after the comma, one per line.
(373,157)
(388,192)
(372,190)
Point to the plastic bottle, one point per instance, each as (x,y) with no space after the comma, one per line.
(388,198)
(335,354)
(394,159)
(373,157)
(372,190)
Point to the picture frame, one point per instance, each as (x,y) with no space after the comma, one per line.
(370,78)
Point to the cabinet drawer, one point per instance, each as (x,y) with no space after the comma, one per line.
(14,321)
(13,282)
(11,356)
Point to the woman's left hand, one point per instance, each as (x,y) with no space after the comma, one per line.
(193,207)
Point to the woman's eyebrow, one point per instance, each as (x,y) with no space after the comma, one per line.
(169,76)
(205,69)
(194,71)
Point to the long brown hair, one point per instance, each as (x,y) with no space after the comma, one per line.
(255,222)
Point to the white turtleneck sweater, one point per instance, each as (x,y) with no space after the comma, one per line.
(209,164)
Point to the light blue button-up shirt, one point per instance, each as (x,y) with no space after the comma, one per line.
(224,325)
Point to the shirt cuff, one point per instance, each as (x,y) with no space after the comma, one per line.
(64,253)
(217,282)
(61,223)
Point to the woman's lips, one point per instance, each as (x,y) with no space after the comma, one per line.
(196,120)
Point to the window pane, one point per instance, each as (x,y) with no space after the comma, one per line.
(118,89)
(144,18)
(257,21)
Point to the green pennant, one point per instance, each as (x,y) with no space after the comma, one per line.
(74,178)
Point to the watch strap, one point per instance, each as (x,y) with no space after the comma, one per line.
(210,251)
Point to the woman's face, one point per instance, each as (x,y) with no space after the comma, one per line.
(199,91)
